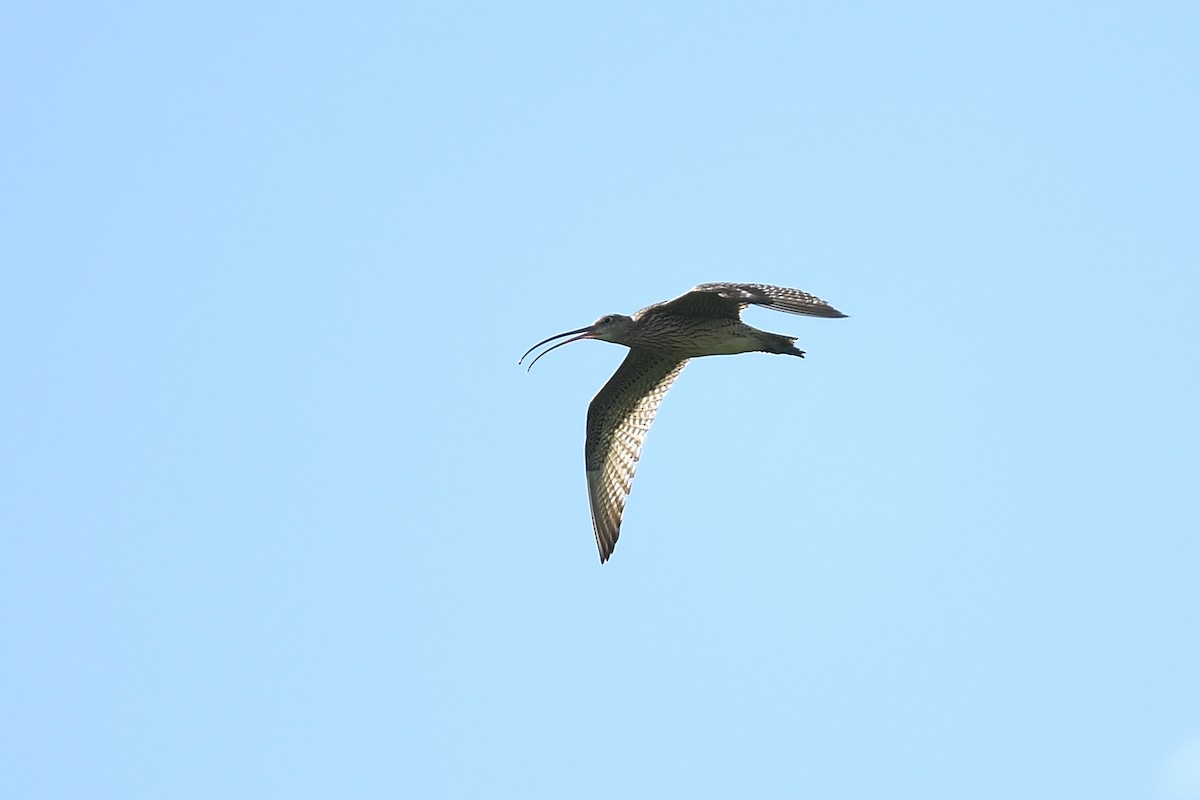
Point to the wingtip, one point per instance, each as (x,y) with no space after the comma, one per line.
(605,548)
(606,544)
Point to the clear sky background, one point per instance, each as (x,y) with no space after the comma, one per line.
(282,516)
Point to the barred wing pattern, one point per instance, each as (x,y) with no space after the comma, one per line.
(729,299)
(618,419)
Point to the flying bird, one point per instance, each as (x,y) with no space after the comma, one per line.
(661,339)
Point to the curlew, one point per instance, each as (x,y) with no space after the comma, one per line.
(661,339)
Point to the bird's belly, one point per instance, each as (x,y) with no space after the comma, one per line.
(721,342)
(727,346)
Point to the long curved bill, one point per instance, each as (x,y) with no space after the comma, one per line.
(577,334)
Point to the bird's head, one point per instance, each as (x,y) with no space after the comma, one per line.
(609,328)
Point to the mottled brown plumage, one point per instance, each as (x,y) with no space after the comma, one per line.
(661,338)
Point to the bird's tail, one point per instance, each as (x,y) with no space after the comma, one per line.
(783,345)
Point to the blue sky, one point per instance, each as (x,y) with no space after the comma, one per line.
(283,517)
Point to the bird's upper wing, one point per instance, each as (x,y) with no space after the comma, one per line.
(618,419)
(729,299)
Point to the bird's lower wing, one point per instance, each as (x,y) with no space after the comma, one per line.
(779,298)
(618,419)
